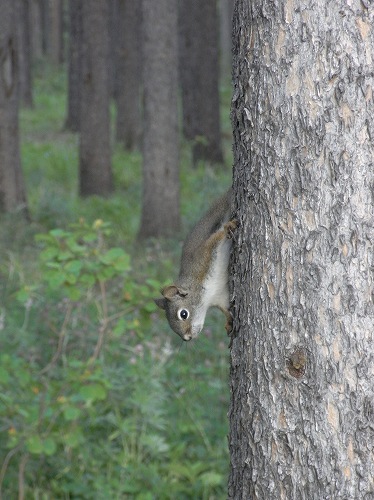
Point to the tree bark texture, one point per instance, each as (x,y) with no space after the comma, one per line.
(160,205)
(12,191)
(95,151)
(199,75)
(75,62)
(128,75)
(302,360)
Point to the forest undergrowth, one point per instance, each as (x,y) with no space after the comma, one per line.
(98,398)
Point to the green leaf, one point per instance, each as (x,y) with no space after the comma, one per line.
(4,376)
(117,258)
(34,445)
(74,267)
(71,413)
(150,307)
(120,328)
(49,253)
(49,446)
(74,438)
(73,293)
(55,280)
(58,233)
(112,255)
(211,478)
(93,392)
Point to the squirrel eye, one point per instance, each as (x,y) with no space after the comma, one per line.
(183,314)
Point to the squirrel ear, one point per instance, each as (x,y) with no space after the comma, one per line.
(160,302)
(169,292)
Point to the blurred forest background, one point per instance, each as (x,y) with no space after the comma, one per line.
(115,135)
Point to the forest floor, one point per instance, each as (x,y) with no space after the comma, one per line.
(98,397)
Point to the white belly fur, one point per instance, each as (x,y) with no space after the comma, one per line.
(215,288)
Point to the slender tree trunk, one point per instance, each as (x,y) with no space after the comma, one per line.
(55,39)
(44,11)
(95,153)
(160,207)
(12,191)
(226,8)
(302,402)
(25,52)
(199,69)
(128,75)
(75,62)
(36,29)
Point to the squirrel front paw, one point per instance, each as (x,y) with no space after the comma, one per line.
(228,326)
(230,227)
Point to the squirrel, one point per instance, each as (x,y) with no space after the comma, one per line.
(203,277)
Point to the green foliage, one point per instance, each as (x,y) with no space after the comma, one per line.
(98,399)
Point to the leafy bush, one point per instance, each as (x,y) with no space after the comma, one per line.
(89,404)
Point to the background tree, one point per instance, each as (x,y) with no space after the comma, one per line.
(54,31)
(199,76)
(74,68)
(226,8)
(12,191)
(36,28)
(302,360)
(128,74)
(95,152)
(160,204)
(25,52)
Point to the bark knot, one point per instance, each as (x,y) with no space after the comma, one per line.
(296,362)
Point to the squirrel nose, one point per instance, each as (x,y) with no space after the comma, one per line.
(187,336)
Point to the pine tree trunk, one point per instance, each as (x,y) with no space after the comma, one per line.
(160,205)
(55,39)
(25,52)
(95,152)
(12,191)
(302,404)
(75,62)
(226,8)
(199,70)
(128,75)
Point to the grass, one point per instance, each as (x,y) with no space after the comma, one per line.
(98,398)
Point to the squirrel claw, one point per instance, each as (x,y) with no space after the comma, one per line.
(230,228)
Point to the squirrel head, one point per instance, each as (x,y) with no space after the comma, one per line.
(180,311)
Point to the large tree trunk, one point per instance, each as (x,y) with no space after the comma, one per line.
(128,74)
(95,152)
(302,403)
(160,206)
(199,70)
(12,192)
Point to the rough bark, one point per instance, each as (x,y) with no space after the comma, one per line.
(199,75)
(302,402)
(95,152)
(160,205)
(12,191)
(75,62)
(128,75)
